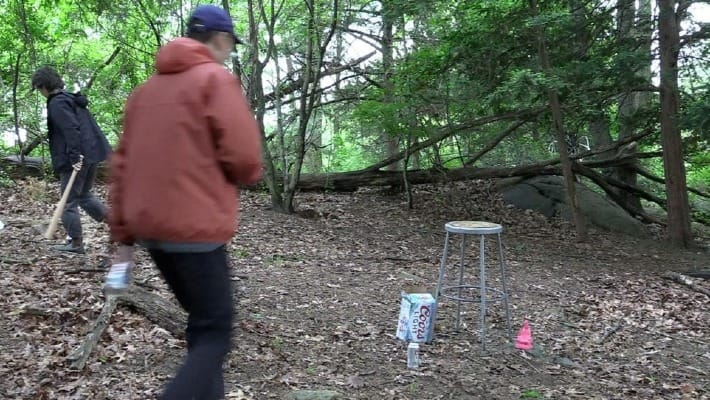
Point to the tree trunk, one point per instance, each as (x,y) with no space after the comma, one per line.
(314,141)
(316,47)
(387,65)
(15,111)
(236,66)
(634,26)
(558,126)
(679,231)
(255,93)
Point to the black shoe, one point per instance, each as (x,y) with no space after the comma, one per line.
(70,247)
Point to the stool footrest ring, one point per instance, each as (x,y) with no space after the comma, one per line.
(500,295)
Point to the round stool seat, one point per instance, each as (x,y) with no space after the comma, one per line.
(473,227)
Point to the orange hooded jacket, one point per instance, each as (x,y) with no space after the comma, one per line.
(189,139)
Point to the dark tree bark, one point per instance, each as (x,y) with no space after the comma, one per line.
(679,230)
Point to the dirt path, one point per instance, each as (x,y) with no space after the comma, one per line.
(318,299)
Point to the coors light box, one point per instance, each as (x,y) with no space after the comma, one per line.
(416,317)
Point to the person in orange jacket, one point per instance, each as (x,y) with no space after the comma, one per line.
(189,140)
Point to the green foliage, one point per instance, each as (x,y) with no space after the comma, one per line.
(5,179)
(531,394)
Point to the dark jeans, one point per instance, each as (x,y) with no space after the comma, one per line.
(202,285)
(81,196)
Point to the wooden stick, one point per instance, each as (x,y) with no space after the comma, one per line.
(49,234)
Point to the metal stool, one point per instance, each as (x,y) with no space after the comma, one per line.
(482,229)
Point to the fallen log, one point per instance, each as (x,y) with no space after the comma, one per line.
(702,274)
(21,167)
(156,309)
(686,281)
(351,181)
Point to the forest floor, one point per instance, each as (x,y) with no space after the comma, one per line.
(318,300)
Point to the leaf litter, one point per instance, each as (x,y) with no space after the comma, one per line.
(318,296)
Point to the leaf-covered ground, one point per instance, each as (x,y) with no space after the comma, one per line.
(318,298)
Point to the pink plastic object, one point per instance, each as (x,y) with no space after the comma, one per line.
(524,340)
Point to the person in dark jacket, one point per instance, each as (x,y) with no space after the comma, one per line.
(76,143)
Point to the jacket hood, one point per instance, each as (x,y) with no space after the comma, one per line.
(80,100)
(180,55)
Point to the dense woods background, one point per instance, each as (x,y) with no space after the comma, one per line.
(609,93)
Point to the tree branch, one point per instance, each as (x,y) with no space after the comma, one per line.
(492,144)
(702,34)
(599,179)
(450,132)
(332,69)
(151,24)
(648,175)
(101,67)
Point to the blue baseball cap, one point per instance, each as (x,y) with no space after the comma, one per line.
(207,18)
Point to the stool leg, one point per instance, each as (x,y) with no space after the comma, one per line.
(505,287)
(458,301)
(442,268)
(483,291)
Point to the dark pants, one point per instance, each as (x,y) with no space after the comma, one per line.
(202,285)
(81,196)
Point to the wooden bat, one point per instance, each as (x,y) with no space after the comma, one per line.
(49,234)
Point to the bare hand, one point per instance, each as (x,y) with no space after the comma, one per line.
(77,166)
(124,253)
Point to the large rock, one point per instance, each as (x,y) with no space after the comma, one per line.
(546,194)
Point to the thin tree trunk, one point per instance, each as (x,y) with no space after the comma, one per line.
(310,96)
(562,149)
(255,93)
(15,111)
(236,66)
(387,65)
(679,231)
(407,186)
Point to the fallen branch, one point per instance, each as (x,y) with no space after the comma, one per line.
(4,260)
(686,281)
(82,270)
(156,309)
(703,274)
(609,190)
(79,356)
